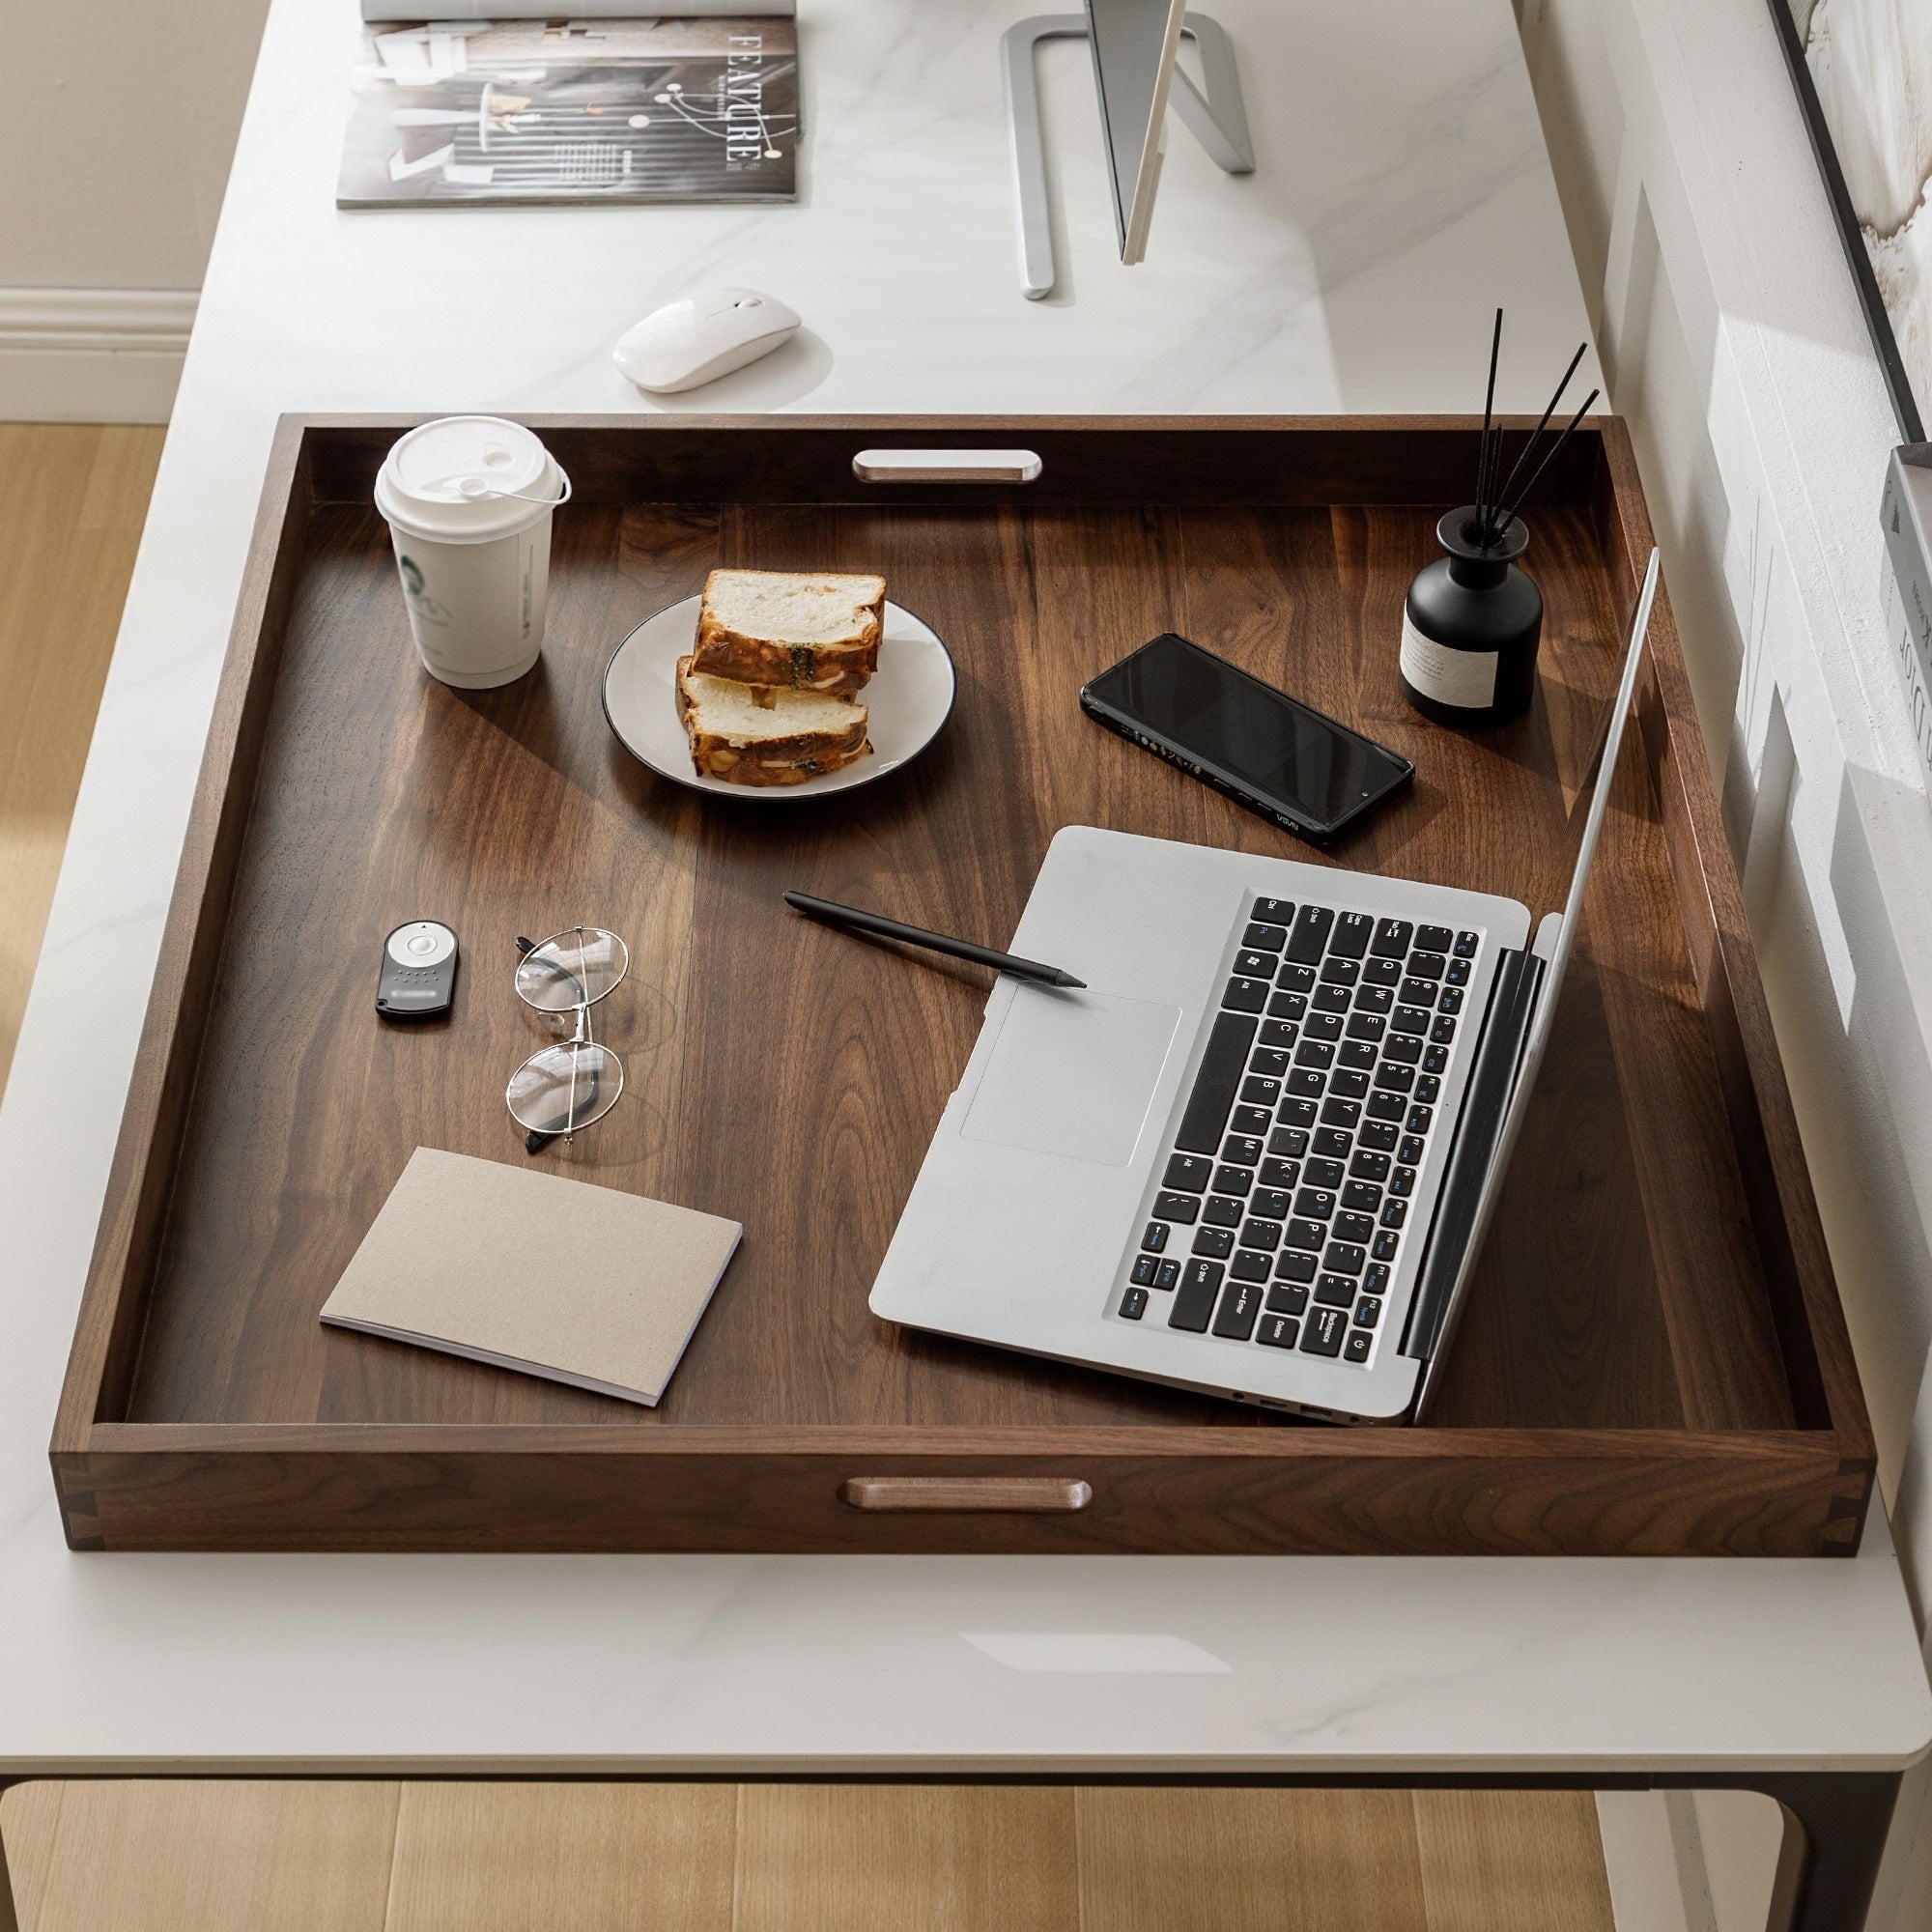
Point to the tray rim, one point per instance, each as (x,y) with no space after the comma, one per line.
(1840,1451)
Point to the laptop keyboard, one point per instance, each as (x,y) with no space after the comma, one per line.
(1286,1193)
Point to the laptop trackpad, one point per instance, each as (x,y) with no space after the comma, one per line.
(1073,1074)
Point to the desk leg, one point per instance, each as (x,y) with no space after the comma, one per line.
(1835,1824)
(8,1918)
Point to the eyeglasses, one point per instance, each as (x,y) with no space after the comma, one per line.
(562,1088)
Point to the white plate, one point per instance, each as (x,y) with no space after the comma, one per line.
(909,699)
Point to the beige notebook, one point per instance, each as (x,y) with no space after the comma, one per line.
(529,1271)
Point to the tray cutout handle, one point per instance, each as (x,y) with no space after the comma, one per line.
(1005,1495)
(945,466)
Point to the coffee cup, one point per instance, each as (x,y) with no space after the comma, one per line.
(468,501)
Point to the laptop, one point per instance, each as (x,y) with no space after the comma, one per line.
(1256,1157)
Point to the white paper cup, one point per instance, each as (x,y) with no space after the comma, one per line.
(468,501)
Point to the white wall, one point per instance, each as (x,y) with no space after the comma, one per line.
(120,120)
(1732,340)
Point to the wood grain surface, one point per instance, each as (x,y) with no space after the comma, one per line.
(790,1076)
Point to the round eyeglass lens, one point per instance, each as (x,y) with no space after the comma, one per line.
(572,968)
(565,1087)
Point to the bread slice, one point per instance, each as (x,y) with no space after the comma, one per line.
(802,630)
(787,738)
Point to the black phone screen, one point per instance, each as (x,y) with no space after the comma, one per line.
(1209,711)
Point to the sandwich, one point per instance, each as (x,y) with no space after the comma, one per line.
(799,631)
(752,737)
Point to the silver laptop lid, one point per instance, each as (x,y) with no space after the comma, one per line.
(1134,44)
(1555,938)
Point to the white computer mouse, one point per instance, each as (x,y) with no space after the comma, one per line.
(704,337)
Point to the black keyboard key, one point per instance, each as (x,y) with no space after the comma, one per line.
(1287,1008)
(1222,1212)
(1155,1238)
(1373,999)
(1335,1290)
(1279,1033)
(1368,1312)
(1357,1055)
(1277,1331)
(1240,1303)
(1352,1228)
(1349,1082)
(1362,1197)
(1216,1244)
(1314,1203)
(1314,1053)
(1259,1090)
(1332,1000)
(1133,1304)
(1248,1265)
(1394,1077)
(1402,1183)
(1443,1031)
(1339,972)
(1399,1047)
(1144,1270)
(1386,1106)
(1246,996)
(1376,1281)
(1451,1001)
(1408,1019)
(1307,936)
(1188,1172)
(1269,1202)
(1331,1144)
(1241,1150)
(1167,1274)
(1394,1214)
(1272,912)
(1322,1173)
(1251,965)
(1297,1264)
(1207,1116)
(1260,937)
(1324,1332)
(1283,1172)
(1433,938)
(1342,1113)
(1419,1119)
(1369,1166)
(1232,1179)
(1367,1026)
(1305,1083)
(1380,972)
(1426,965)
(1384,1248)
(1311,1236)
(1379,1135)
(1418,993)
(1250,1123)
(1287,1298)
(1353,932)
(1411,1150)
(1292,976)
(1457,974)
(1182,1208)
(1194,1304)
(1466,944)
(1292,1113)
(1357,1347)
(1391,940)
(1266,1060)
(1322,1026)
(1428,1090)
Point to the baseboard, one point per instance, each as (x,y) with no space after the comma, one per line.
(92,354)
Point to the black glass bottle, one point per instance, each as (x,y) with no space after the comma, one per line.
(1471,628)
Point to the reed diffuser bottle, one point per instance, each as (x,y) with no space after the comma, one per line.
(1472,619)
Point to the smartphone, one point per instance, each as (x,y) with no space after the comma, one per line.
(1264,748)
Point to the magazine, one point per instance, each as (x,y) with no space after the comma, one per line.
(541,112)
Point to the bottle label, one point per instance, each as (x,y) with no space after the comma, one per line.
(1465,679)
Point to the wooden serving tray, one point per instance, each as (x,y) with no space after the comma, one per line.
(1654,1358)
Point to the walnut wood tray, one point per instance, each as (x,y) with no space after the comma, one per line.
(1654,1359)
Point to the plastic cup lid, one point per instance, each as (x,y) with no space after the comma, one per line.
(466,476)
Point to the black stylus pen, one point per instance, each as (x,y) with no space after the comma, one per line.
(934,941)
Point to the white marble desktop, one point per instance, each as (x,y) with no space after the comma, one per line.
(1401,192)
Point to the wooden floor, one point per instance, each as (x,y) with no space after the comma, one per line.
(474,1857)
(508,1857)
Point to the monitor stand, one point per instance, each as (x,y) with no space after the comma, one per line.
(1213,114)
